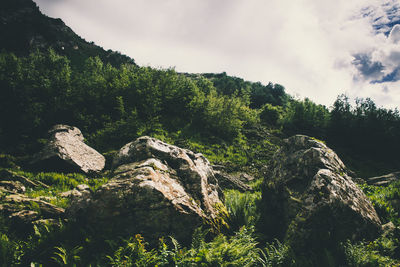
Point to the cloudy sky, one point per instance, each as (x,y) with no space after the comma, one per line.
(315,48)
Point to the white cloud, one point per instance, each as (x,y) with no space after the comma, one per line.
(305,45)
(394,35)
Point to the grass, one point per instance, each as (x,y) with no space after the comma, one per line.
(58,183)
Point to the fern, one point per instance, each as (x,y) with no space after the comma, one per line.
(242,208)
(65,257)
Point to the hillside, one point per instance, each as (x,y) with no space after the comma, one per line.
(107,163)
(24,29)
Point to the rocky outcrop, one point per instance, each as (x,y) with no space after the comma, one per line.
(67,152)
(228,181)
(157,190)
(12,186)
(23,212)
(384,179)
(78,192)
(11,176)
(310,199)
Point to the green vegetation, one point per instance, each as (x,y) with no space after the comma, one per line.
(385,200)
(25,29)
(110,105)
(239,250)
(211,112)
(234,123)
(242,208)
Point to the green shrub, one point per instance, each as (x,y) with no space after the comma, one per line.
(271,115)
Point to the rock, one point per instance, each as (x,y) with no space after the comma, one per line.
(24,216)
(80,191)
(46,209)
(7,175)
(384,179)
(227,181)
(82,187)
(12,186)
(244,177)
(310,199)
(24,212)
(66,152)
(388,227)
(157,190)
(218,167)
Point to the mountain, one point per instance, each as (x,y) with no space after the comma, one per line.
(299,204)
(24,29)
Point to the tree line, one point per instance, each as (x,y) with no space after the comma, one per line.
(114,104)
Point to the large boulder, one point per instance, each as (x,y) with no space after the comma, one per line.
(157,190)
(67,152)
(310,199)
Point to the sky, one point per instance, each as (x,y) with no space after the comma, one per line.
(315,48)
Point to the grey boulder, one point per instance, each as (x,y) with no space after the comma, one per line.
(67,152)
(310,199)
(156,190)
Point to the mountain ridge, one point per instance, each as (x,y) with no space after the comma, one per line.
(24,29)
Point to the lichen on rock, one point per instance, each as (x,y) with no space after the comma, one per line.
(156,190)
(310,200)
(67,152)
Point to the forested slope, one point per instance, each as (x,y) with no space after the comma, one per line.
(49,75)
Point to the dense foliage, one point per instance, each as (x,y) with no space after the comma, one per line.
(113,105)
(242,245)
(233,122)
(365,136)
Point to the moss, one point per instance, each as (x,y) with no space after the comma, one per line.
(219,223)
(318,140)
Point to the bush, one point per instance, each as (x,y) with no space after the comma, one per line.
(271,115)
